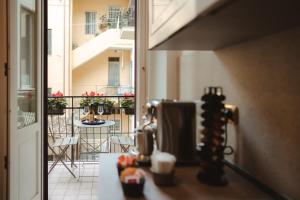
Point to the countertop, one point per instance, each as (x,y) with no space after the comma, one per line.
(188,187)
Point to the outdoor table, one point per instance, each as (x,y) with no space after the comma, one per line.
(85,140)
(93,147)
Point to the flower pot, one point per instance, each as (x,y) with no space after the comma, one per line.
(116,110)
(56,112)
(129,111)
(107,111)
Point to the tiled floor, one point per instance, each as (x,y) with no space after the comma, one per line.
(63,186)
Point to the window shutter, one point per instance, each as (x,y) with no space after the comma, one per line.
(113,71)
(90,22)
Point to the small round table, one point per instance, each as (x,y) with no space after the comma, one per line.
(93,145)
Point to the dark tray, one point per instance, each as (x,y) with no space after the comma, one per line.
(99,122)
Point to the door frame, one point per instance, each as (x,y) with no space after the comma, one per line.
(140,32)
(4,101)
(38,59)
(44,21)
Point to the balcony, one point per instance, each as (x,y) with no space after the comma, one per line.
(82,158)
(115,30)
(93,141)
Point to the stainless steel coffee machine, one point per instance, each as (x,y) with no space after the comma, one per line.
(176,129)
(145,134)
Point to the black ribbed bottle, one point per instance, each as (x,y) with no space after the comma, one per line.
(212,150)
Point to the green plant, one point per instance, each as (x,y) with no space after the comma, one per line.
(57,102)
(128,100)
(74,45)
(107,103)
(90,99)
(127,103)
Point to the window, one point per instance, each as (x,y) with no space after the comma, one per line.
(27,90)
(113,71)
(49,41)
(114,13)
(90,23)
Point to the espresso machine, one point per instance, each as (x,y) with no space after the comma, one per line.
(170,126)
(146,134)
(176,130)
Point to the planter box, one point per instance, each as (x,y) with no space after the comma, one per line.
(129,111)
(56,112)
(107,111)
(116,110)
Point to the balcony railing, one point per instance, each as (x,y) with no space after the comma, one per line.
(93,141)
(104,89)
(118,17)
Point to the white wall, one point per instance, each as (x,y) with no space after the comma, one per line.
(157,75)
(58,62)
(162,75)
(262,78)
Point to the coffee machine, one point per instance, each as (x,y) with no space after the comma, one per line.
(173,127)
(176,130)
(146,133)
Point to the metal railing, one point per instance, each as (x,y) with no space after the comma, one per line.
(114,18)
(104,89)
(93,141)
(118,17)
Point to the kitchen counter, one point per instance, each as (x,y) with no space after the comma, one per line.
(188,187)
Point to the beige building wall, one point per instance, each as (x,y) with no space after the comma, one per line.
(262,78)
(79,9)
(59,61)
(93,75)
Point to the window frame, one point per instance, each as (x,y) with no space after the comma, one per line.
(90,28)
(109,80)
(113,19)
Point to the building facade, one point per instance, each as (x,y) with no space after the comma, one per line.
(91,45)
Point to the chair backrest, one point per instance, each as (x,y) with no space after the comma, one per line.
(60,126)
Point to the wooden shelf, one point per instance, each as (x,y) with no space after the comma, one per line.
(187,187)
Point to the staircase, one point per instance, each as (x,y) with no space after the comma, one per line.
(111,38)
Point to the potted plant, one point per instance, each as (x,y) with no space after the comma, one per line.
(128,103)
(103,25)
(91,101)
(108,105)
(56,104)
(116,108)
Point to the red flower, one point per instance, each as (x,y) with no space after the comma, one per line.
(128,94)
(92,93)
(57,94)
